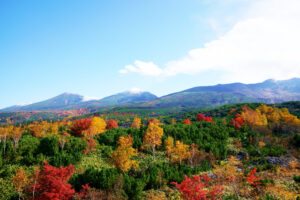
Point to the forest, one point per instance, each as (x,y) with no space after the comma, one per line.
(238,151)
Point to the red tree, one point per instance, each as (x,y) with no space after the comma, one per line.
(202,117)
(187,121)
(237,122)
(52,183)
(198,188)
(80,125)
(112,124)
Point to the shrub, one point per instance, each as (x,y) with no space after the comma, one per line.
(133,187)
(28,148)
(49,146)
(272,150)
(7,190)
(296,140)
(101,179)
(297,179)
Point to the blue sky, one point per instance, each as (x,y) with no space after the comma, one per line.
(50,47)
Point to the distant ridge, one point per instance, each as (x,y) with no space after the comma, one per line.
(269,91)
(67,101)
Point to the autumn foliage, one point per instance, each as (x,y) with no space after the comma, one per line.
(178,152)
(52,183)
(136,123)
(187,121)
(237,122)
(20,181)
(153,136)
(111,124)
(198,188)
(252,179)
(80,125)
(154,121)
(122,156)
(202,117)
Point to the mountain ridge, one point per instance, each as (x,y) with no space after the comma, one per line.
(268,91)
(66,101)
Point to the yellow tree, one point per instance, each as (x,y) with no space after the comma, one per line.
(4,131)
(40,129)
(123,154)
(154,121)
(20,181)
(98,125)
(169,145)
(54,128)
(15,135)
(153,136)
(254,117)
(180,152)
(136,123)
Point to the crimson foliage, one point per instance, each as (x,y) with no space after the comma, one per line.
(199,188)
(202,117)
(112,124)
(52,183)
(237,122)
(80,125)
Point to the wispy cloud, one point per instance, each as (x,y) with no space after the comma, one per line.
(144,68)
(265,44)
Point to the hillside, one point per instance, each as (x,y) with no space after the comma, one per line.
(68,101)
(58,102)
(269,91)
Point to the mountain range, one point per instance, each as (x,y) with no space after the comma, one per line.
(269,91)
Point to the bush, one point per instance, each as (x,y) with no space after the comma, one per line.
(105,151)
(74,145)
(265,181)
(296,140)
(28,148)
(7,190)
(71,154)
(133,187)
(253,151)
(272,151)
(101,179)
(49,146)
(8,171)
(65,159)
(297,179)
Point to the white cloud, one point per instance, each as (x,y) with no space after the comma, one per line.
(135,90)
(87,98)
(144,68)
(265,44)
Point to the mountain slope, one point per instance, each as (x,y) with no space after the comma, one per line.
(67,101)
(269,91)
(54,103)
(127,97)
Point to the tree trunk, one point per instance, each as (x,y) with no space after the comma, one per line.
(153,151)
